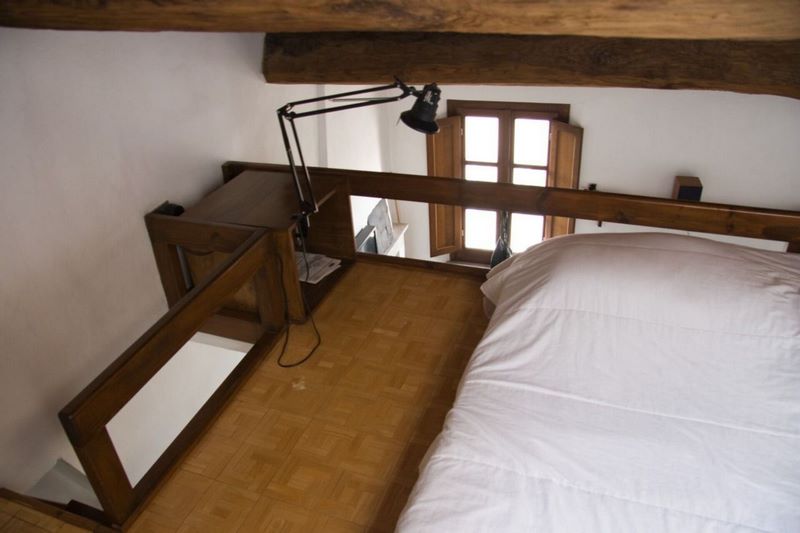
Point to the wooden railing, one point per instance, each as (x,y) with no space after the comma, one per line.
(85,418)
(253,257)
(722,219)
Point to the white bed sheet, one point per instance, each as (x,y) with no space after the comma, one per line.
(626,383)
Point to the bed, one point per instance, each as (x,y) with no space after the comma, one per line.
(626,382)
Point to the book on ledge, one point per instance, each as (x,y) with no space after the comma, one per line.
(319,266)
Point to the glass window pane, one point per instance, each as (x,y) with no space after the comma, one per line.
(481,138)
(529,176)
(480,229)
(531,140)
(480,173)
(526,230)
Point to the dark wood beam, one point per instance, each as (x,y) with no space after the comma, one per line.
(763,67)
(676,19)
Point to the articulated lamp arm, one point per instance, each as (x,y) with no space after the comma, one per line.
(421,118)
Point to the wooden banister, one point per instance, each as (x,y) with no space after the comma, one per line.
(253,256)
(97,404)
(722,219)
(86,416)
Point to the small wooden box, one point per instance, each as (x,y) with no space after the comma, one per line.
(687,188)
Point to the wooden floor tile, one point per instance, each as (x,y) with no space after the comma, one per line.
(16,516)
(301,481)
(453,363)
(394,420)
(211,455)
(424,356)
(27,519)
(300,397)
(410,386)
(407,470)
(222,508)
(365,377)
(430,423)
(394,500)
(15,525)
(337,525)
(270,515)
(252,467)
(177,498)
(333,445)
(344,406)
(149,522)
(353,497)
(325,443)
(373,456)
(257,392)
(325,367)
(278,431)
(236,421)
(437,332)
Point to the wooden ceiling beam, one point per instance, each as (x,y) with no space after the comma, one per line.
(674,19)
(764,67)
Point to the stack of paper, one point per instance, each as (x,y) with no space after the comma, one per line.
(319,266)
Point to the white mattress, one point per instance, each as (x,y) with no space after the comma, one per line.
(644,382)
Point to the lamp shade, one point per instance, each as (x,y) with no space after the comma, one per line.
(422,115)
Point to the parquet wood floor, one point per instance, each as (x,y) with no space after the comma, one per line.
(333,445)
(18,518)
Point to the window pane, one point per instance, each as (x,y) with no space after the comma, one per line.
(480,173)
(480,139)
(480,229)
(529,176)
(526,230)
(531,139)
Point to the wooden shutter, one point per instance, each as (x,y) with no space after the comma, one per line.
(445,160)
(564,165)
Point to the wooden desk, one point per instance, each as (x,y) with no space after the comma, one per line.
(189,247)
(264,199)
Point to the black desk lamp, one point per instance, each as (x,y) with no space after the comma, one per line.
(421,117)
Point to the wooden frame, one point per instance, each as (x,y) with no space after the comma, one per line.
(216,224)
(558,112)
(677,19)
(744,66)
(169,233)
(85,418)
(721,219)
(506,113)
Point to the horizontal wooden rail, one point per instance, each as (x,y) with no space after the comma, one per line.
(97,404)
(675,19)
(198,235)
(204,416)
(723,219)
(86,416)
(763,67)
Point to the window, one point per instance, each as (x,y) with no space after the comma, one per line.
(501,142)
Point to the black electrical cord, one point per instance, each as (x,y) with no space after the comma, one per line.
(305,307)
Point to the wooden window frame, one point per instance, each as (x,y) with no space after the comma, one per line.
(506,112)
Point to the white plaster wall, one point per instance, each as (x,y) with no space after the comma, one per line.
(355,140)
(743,147)
(96,129)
